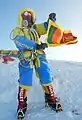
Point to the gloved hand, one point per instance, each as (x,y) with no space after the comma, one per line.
(41,46)
(52,16)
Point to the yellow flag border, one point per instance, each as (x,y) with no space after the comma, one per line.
(59,27)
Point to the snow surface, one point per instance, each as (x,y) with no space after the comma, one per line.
(67,83)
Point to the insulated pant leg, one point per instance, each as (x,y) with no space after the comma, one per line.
(26,74)
(44,71)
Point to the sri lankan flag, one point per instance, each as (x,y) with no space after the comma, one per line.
(8,56)
(68,38)
(56,36)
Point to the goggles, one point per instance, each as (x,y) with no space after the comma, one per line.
(27,16)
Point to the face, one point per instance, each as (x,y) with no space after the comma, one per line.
(27,19)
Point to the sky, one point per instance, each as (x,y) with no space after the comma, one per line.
(68,16)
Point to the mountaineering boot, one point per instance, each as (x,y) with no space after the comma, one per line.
(22,103)
(51,100)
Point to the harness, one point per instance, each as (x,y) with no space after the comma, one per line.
(33,59)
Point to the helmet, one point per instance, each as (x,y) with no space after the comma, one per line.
(26,17)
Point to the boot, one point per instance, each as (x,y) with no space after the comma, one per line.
(51,100)
(22,103)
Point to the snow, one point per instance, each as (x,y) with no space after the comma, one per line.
(67,83)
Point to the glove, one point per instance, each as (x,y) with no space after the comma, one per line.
(41,46)
(52,16)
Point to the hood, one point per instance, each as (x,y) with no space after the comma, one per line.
(20,18)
